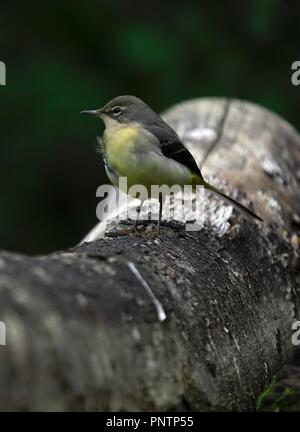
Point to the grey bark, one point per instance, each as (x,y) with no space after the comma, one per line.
(83,333)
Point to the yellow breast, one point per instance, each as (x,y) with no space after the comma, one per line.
(131,152)
(121,143)
(120,140)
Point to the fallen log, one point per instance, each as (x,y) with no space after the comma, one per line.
(187,321)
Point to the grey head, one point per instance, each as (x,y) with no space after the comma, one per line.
(130,109)
(126,109)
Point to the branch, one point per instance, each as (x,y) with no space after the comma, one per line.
(189,321)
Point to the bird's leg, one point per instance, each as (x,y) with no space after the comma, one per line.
(160,200)
(138,211)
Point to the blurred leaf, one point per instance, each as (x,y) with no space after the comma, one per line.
(147,48)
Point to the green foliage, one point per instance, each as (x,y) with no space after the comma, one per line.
(283,400)
(275,398)
(147,48)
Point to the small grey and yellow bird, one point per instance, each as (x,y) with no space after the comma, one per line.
(139,145)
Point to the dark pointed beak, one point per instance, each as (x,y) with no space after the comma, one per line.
(97,112)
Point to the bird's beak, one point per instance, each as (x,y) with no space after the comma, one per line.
(97,112)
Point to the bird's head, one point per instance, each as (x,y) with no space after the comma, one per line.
(124,110)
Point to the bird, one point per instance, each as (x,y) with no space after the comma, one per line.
(139,145)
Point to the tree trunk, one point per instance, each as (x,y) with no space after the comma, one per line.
(187,321)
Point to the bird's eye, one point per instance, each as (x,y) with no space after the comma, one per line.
(116,110)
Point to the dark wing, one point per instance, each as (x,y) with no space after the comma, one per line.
(171,146)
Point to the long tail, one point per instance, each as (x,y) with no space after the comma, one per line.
(244,210)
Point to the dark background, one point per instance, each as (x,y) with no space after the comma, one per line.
(65,56)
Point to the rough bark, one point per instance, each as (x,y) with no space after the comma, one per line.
(83,333)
